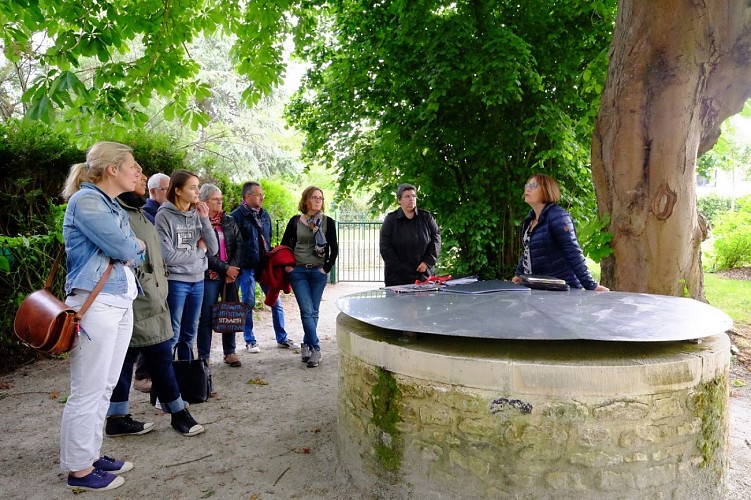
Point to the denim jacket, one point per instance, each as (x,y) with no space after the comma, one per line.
(96,229)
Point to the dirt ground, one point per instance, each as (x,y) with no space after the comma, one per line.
(270,432)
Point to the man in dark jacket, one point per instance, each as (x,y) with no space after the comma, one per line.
(255,228)
(410,240)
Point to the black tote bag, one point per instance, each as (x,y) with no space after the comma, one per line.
(192,374)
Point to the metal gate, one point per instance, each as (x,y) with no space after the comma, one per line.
(359,256)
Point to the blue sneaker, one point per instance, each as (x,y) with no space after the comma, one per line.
(112,466)
(96,480)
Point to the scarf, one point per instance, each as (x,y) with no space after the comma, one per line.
(216,223)
(315,225)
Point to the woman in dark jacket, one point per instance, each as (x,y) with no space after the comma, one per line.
(549,238)
(221,274)
(312,238)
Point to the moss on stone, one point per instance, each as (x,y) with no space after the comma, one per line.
(710,403)
(389,444)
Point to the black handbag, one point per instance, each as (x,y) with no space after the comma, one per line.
(228,316)
(192,375)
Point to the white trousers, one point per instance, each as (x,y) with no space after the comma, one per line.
(95,366)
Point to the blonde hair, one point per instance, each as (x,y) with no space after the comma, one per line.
(302,206)
(98,158)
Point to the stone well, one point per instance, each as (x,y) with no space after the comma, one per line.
(457,417)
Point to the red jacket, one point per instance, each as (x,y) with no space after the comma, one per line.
(274,276)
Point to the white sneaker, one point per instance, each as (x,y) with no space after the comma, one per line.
(252,348)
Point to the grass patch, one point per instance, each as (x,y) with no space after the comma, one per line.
(729,295)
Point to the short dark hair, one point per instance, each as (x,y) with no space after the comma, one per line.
(248,187)
(401,188)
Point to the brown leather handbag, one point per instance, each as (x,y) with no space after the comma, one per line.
(47,324)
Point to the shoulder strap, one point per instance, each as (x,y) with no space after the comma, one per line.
(96,290)
(55,266)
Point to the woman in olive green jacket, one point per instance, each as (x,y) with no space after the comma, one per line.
(152,334)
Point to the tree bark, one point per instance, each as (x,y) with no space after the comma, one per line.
(678,68)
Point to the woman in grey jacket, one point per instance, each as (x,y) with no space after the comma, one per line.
(186,237)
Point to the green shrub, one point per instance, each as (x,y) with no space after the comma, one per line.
(594,239)
(35,162)
(157,152)
(25,263)
(732,233)
(712,207)
(281,204)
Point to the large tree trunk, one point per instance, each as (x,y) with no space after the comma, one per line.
(678,68)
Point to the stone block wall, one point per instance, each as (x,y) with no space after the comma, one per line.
(402,436)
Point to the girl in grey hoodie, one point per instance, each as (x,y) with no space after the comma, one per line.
(186,237)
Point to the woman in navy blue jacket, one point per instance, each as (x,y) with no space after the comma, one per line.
(549,238)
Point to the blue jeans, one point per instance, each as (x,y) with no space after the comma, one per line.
(212,290)
(158,359)
(184,301)
(247,281)
(308,285)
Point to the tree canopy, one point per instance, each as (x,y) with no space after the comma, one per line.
(464,99)
(103,61)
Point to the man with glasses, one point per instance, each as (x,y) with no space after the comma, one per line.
(410,240)
(255,228)
(158,187)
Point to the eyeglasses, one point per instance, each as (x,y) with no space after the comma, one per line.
(260,195)
(317,198)
(160,189)
(531,185)
(216,199)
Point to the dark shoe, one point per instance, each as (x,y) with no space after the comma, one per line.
(96,480)
(304,353)
(126,426)
(286,344)
(315,358)
(112,466)
(233,360)
(183,423)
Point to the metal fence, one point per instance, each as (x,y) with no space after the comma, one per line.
(359,255)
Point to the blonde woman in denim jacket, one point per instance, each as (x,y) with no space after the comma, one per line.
(96,231)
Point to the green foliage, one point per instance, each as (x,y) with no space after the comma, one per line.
(35,162)
(594,239)
(281,204)
(733,237)
(465,100)
(730,153)
(107,60)
(25,263)
(713,206)
(156,152)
